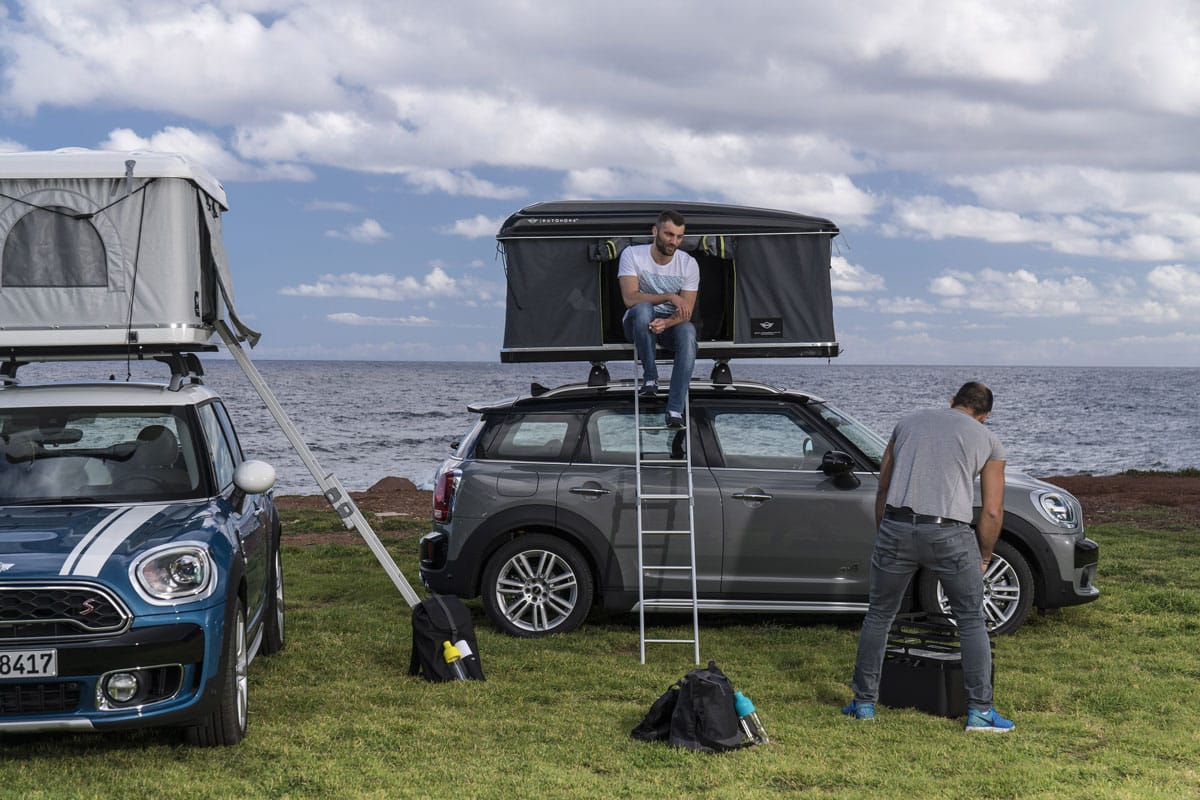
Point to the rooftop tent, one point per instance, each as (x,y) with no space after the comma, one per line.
(764,280)
(102,248)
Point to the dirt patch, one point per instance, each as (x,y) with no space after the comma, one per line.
(398,496)
(1106,497)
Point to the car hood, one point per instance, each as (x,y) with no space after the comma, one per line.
(82,541)
(1019,480)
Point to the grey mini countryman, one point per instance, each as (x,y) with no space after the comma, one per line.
(537,512)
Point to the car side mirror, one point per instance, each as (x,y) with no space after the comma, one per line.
(840,467)
(251,477)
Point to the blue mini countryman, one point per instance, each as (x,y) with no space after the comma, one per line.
(139,560)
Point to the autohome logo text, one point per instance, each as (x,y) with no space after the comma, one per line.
(555,220)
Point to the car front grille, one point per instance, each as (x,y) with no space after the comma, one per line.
(17,699)
(59,611)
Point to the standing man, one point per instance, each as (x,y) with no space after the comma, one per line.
(923,507)
(659,284)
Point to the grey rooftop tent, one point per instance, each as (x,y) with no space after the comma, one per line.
(108,248)
(764,280)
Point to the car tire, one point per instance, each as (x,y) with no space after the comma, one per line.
(1007,591)
(273,625)
(537,585)
(226,724)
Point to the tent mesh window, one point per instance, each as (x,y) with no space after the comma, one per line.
(51,247)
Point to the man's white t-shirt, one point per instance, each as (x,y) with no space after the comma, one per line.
(680,274)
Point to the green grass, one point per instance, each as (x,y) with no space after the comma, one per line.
(1105,698)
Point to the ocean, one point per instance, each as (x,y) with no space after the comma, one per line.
(365,421)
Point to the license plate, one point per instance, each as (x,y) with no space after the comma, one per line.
(28,663)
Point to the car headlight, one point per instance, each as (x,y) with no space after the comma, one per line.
(1059,508)
(175,572)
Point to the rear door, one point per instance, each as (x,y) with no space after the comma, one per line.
(601,486)
(790,533)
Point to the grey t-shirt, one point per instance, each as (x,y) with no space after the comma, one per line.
(936,456)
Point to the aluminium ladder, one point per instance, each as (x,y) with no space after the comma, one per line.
(662,466)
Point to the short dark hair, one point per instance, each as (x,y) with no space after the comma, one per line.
(975,397)
(674,217)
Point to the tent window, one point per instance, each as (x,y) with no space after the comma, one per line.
(50,247)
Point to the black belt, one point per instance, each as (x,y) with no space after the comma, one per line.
(912,517)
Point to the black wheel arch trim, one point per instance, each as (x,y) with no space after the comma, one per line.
(492,534)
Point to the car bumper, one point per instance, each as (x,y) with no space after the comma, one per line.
(435,574)
(1075,583)
(175,663)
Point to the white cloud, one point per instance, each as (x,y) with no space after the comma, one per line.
(1122,237)
(437,284)
(350,318)
(847,277)
(906,305)
(477,227)
(460,182)
(9,146)
(369,231)
(331,205)
(206,149)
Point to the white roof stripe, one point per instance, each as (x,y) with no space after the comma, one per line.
(96,556)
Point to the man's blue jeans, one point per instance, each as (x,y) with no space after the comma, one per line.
(952,553)
(680,339)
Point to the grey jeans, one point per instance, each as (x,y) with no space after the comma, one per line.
(952,553)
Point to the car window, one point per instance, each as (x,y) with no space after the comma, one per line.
(219,451)
(230,435)
(529,437)
(610,437)
(868,441)
(88,454)
(767,439)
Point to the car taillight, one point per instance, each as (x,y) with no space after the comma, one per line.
(443,494)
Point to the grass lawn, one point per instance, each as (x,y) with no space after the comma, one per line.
(1104,696)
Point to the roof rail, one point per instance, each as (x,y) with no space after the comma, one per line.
(183,360)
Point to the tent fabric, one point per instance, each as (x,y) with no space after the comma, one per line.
(113,257)
(765,288)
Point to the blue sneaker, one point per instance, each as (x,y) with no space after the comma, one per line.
(988,721)
(857,710)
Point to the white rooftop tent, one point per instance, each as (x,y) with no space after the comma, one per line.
(119,255)
(110,248)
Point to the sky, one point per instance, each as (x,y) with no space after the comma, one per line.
(1016,183)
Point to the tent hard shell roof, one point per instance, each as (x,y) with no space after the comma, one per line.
(633,218)
(77,162)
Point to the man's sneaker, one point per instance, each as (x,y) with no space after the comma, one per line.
(988,721)
(649,389)
(674,420)
(857,710)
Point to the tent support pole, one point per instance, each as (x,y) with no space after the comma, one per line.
(331,487)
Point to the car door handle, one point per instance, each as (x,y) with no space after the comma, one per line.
(590,492)
(753,497)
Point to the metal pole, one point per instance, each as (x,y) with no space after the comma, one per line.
(331,487)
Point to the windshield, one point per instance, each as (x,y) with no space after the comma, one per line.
(84,455)
(868,441)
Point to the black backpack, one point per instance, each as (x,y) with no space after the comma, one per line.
(696,713)
(440,619)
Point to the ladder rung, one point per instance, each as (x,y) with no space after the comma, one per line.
(661,428)
(670,641)
(667,533)
(663,462)
(665,497)
(670,568)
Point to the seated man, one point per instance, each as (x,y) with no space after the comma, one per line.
(659,284)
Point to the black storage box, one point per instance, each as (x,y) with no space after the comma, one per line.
(922,667)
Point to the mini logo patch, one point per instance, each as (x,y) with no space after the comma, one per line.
(766,327)
(6,567)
